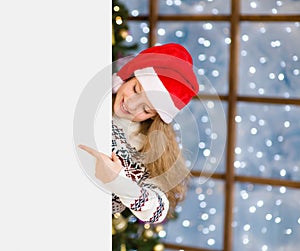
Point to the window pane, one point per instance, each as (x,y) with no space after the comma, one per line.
(270,7)
(137,34)
(270,59)
(136,7)
(268,141)
(266,218)
(194,7)
(202,128)
(208,42)
(200,219)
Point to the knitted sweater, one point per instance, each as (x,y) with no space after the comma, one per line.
(132,188)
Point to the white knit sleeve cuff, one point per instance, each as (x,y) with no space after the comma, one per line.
(123,186)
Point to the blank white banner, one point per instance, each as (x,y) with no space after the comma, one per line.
(50,50)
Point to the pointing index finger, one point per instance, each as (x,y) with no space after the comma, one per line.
(89,150)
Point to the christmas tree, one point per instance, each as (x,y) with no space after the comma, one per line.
(120,31)
(129,233)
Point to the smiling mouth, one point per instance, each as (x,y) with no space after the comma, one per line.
(123,107)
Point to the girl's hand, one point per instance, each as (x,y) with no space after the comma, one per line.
(107,169)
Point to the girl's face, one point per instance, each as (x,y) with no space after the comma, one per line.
(132,103)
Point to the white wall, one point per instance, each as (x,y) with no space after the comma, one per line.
(49,51)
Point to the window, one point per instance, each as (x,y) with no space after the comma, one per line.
(249,50)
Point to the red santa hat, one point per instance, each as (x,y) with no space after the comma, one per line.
(166,75)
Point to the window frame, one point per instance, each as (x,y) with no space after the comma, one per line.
(235,18)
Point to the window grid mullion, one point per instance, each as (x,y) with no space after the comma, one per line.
(186,248)
(235,18)
(250,179)
(153,14)
(231,127)
(219,18)
(253,99)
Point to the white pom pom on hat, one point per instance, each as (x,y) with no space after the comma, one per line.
(166,75)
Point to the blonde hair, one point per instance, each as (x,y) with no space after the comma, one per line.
(164,161)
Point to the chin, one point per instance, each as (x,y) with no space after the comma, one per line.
(120,114)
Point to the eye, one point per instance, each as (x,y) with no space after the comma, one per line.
(137,87)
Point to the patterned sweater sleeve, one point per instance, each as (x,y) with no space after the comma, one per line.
(146,201)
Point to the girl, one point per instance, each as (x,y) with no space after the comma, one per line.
(146,171)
